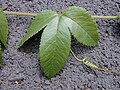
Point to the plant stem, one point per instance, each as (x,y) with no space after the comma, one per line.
(34,14)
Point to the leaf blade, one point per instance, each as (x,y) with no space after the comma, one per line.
(38,23)
(54,47)
(3,28)
(81,25)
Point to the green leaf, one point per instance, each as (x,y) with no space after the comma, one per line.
(81,25)
(38,24)
(55,46)
(3,28)
(56,39)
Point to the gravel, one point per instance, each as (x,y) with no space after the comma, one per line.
(22,65)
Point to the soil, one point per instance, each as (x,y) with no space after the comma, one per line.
(22,70)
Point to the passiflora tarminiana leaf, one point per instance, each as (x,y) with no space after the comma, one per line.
(56,38)
(3,32)
(3,28)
